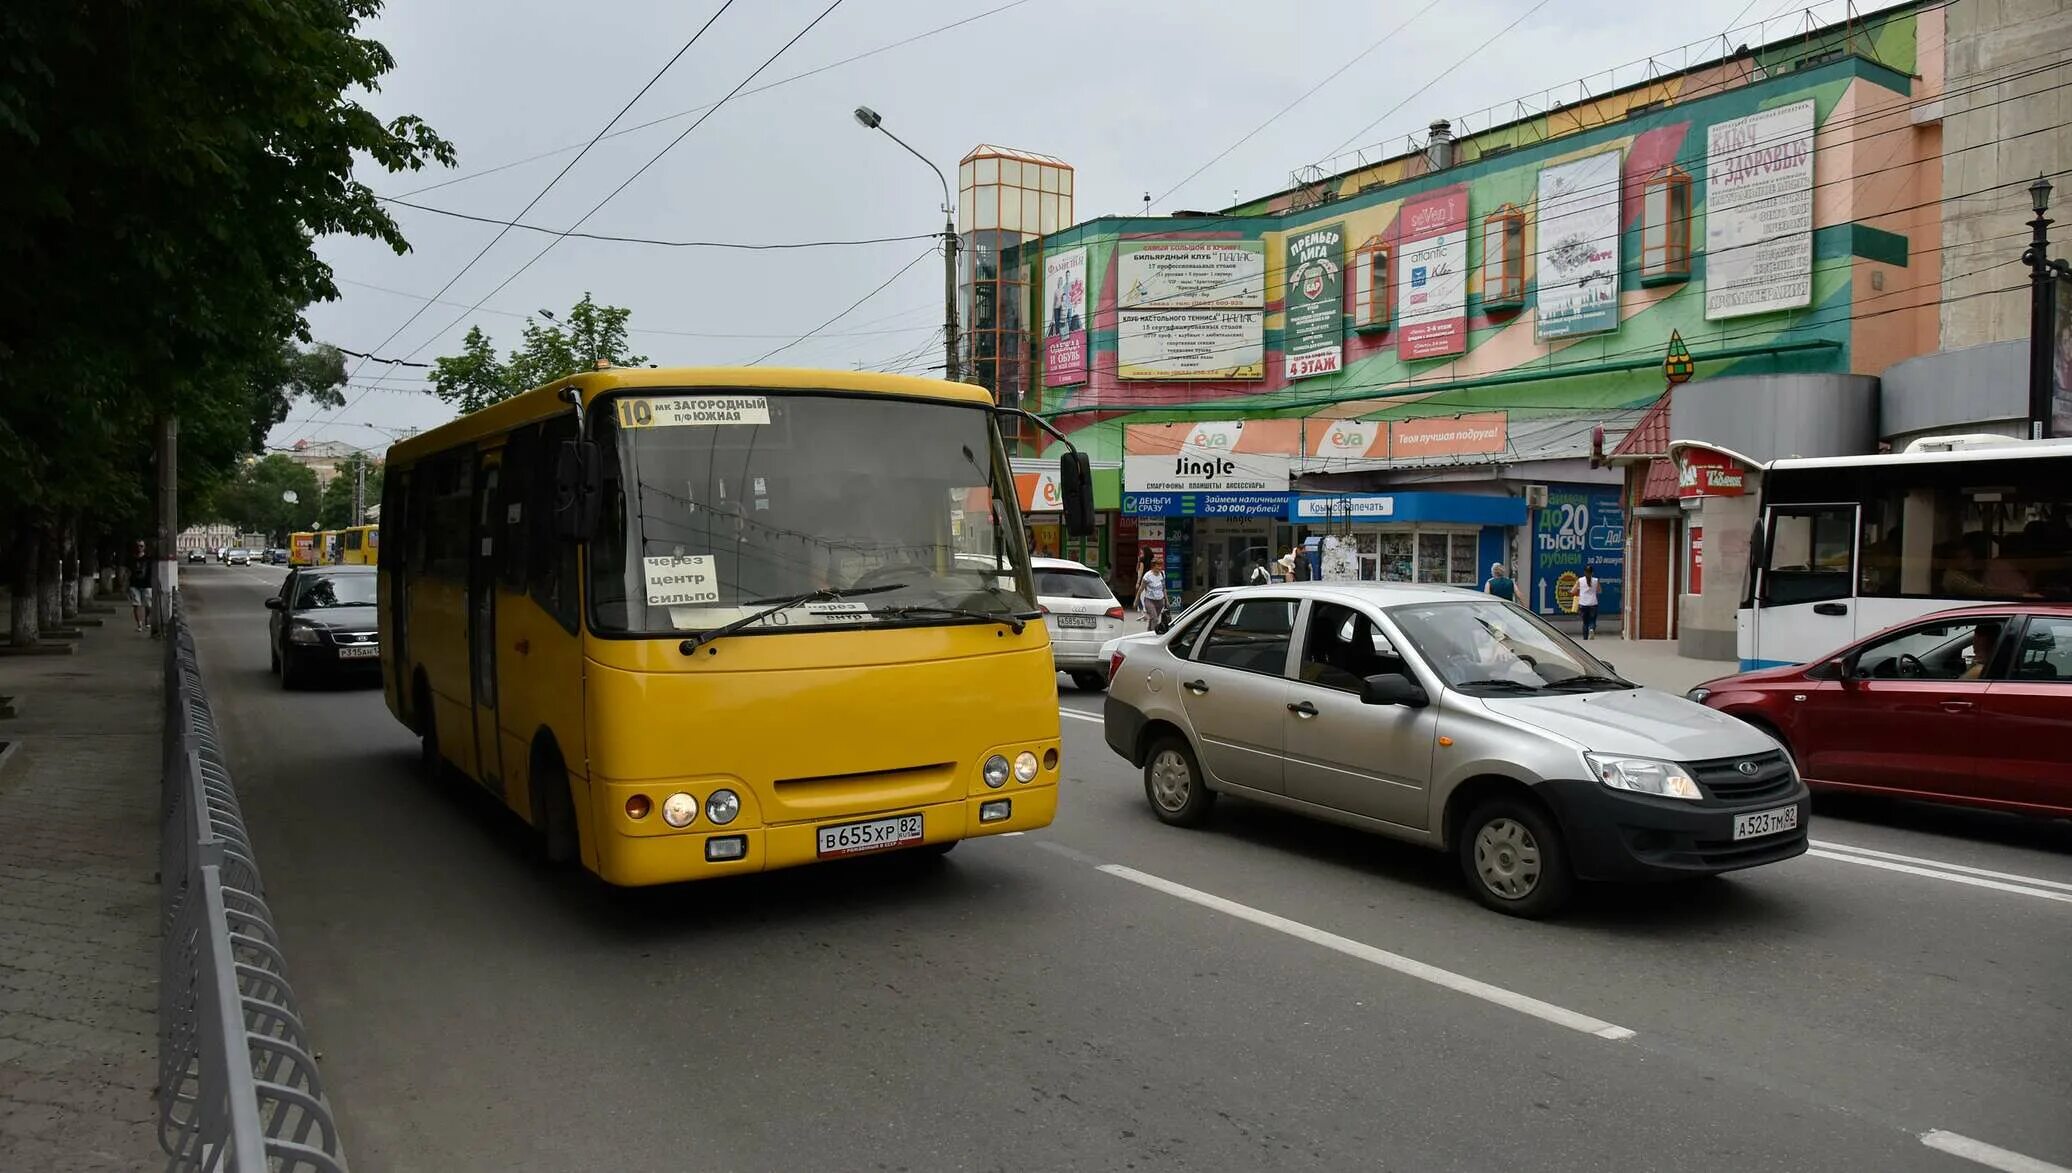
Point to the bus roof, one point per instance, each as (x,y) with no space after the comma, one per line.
(544,401)
(2013,450)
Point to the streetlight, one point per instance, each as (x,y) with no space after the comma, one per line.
(869,120)
(2042,273)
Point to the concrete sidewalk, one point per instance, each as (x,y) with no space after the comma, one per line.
(79,933)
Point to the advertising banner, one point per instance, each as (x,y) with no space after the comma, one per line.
(1700,473)
(1581,525)
(1578,218)
(1064,322)
(1759,213)
(1313,339)
(1039,492)
(1336,439)
(1191,274)
(1432,276)
(1214,456)
(1468,435)
(1190,344)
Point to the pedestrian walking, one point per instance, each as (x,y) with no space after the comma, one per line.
(1586,600)
(139,569)
(1260,575)
(1151,591)
(1500,583)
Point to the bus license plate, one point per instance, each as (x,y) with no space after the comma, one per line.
(359,651)
(1784,818)
(1074,620)
(850,838)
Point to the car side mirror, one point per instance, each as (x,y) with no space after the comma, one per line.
(1393,688)
(578,490)
(276,603)
(1076,485)
(1609,664)
(1826,670)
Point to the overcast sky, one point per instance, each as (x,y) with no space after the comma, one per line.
(1135,94)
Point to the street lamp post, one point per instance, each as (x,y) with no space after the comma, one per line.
(869,120)
(2043,273)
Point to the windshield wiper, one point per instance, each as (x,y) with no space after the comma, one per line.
(1593,678)
(1513,685)
(1015,623)
(824,595)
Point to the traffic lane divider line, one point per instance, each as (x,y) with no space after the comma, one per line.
(2013,877)
(1952,877)
(1990,1155)
(1079,716)
(1396,962)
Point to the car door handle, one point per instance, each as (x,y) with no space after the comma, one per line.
(1305,710)
(1957,706)
(1196,686)
(1830,608)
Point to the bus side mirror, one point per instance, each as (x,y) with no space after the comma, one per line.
(1076,483)
(578,489)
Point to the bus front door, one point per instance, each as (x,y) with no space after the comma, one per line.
(1805,596)
(482,564)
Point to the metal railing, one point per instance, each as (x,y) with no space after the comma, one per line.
(238,1084)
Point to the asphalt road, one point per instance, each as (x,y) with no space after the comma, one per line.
(1079,999)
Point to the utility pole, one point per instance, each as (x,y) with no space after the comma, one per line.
(168,523)
(869,119)
(360,490)
(2043,279)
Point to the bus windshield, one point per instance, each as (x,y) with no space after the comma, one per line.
(721,503)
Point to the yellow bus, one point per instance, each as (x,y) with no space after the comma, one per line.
(359,544)
(694,622)
(302,548)
(328,548)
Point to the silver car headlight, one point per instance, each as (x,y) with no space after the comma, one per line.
(1643,776)
(1698,694)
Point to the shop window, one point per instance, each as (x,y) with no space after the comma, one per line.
(1432,563)
(1665,228)
(1461,569)
(1503,258)
(1394,556)
(1373,292)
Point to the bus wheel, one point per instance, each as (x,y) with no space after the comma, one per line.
(428,761)
(553,809)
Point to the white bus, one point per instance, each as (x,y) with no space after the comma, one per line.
(1848,545)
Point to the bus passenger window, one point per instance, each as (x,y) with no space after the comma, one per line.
(1810,555)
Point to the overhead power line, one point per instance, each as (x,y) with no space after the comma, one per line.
(896,275)
(647,240)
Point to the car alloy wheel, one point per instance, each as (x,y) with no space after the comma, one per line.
(1171,780)
(1507,858)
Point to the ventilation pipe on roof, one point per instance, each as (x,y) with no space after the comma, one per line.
(1439,147)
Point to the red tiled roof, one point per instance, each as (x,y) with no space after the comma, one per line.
(1649,437)
(1661,482)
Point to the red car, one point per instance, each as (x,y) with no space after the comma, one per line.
(1969,706)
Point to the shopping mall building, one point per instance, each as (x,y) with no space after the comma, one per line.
(1441,357)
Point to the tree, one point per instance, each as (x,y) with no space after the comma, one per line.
(170,166)
(336,509)
(588,336)
(253,502)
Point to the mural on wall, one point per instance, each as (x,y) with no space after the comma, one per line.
(1577,217)
(1564,354)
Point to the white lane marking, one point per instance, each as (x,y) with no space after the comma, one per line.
(1991,1156)
(1952,877)
(2032,881)
(1078,716)
(1409,967)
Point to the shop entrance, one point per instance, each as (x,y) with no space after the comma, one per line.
(1226,549)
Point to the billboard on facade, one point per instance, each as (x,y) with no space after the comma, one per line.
(1191,274)
(1581,525)
(1313,335)
(1578,274)
(1759,213)
(1432,276)
(1467,435)
(1064,321)
(1327,439)
(1213,456)
(1190,344)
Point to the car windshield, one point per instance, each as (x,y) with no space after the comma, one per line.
(1486,645)
(1070,584)
(334,590)
(718,504)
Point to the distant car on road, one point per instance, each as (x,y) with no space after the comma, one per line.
(1455,720)
(276,557)
(235,557)
(1971,706)
(1112,651)
(324,624)
(1082,614)
(196,556)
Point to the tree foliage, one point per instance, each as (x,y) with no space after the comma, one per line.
(589,335)
(336,509)
(254,500)
(169,168)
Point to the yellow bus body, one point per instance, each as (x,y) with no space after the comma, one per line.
(359,545)
(302,548)
(810,729)
(328,547)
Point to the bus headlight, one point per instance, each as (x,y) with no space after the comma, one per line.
(721,806)
(995,771)
(1025,767)
(679,809)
